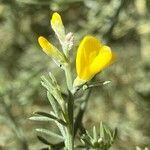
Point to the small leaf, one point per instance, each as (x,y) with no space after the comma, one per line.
(108,133)
(53,78)
(40,118)
(51,117)
(47,83)
(53,103)
(50,133)
(102,133)
(44,85)
(94,134)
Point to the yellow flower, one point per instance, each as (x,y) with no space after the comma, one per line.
(92,57)
(57,26)
(51,50)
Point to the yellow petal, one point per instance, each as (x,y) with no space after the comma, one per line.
(56,19)
(50,49)
(102,60)
(87,51)
(47,47)
(92,57)
(58,27)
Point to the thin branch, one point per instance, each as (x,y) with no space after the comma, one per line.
(79,118)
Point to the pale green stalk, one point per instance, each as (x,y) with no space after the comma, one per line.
(70,127)
(68,76)
(65,43)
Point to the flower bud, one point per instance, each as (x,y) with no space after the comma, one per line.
(51,50)
(58,27)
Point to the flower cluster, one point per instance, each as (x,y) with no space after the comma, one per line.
(92,55)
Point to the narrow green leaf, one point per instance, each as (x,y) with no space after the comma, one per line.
(53,78)
(108,133)
(53,103)
(40,118)
(47,87)
(102,133)
(56,110)
(51,117)
(47,83)
(50,133)
(94,134)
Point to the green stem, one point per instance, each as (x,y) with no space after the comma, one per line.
(70,128)
(71,122)
(68,76)
(70,140)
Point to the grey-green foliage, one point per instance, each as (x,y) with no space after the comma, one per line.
(101,139)
(126,105)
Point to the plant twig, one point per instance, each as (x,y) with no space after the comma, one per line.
(78,120)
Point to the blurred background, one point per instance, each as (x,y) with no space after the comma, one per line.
(124,103)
